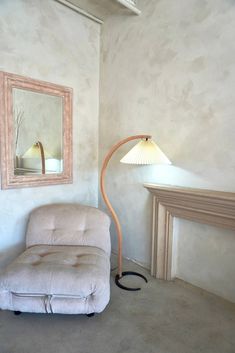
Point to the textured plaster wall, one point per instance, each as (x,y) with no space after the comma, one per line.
(45,40)
(171,73)
(205,257)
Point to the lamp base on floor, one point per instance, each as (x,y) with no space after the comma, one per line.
(126,273)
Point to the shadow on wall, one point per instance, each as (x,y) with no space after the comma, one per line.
(9,254)
(12,230)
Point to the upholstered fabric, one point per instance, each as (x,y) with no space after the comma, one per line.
(69,224)
(58,272)
(61,278)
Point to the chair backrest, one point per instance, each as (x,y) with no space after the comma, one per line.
(69,224)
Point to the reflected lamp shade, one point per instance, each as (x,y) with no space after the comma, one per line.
(34,152)
(145,152)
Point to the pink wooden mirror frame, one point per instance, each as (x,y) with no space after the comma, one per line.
(8,81)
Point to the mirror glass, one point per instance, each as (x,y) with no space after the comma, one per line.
(38,144)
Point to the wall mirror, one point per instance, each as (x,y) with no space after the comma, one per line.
(36,132)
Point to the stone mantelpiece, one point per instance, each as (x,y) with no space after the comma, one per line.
(215,208)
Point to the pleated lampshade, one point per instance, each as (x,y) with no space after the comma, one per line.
(145,152)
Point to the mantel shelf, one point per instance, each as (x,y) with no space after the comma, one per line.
(182,190)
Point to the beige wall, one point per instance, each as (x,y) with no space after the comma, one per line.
(205,257)
(170,73)
(47,41)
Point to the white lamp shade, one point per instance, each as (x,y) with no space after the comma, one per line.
(145,152)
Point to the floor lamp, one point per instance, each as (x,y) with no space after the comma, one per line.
(145,152)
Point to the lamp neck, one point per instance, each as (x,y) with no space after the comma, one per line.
(119,144)
(42,154)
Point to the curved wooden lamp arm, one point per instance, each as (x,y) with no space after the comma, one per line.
(42,156)
(105,197)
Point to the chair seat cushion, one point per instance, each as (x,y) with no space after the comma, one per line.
(73,273)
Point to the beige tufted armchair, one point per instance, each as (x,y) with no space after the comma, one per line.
(66,265)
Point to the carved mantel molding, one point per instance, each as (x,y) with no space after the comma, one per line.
(215,208)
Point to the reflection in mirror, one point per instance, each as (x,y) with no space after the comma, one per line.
(38,141)
(35,131)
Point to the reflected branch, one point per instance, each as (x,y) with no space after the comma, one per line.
(18,114)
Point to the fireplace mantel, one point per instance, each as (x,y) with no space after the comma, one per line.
(215,208)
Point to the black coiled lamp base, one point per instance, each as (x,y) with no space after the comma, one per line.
(127,273)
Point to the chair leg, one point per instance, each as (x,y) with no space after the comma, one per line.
(17,312)
(90,315)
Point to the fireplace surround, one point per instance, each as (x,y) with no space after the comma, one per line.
(216,208)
